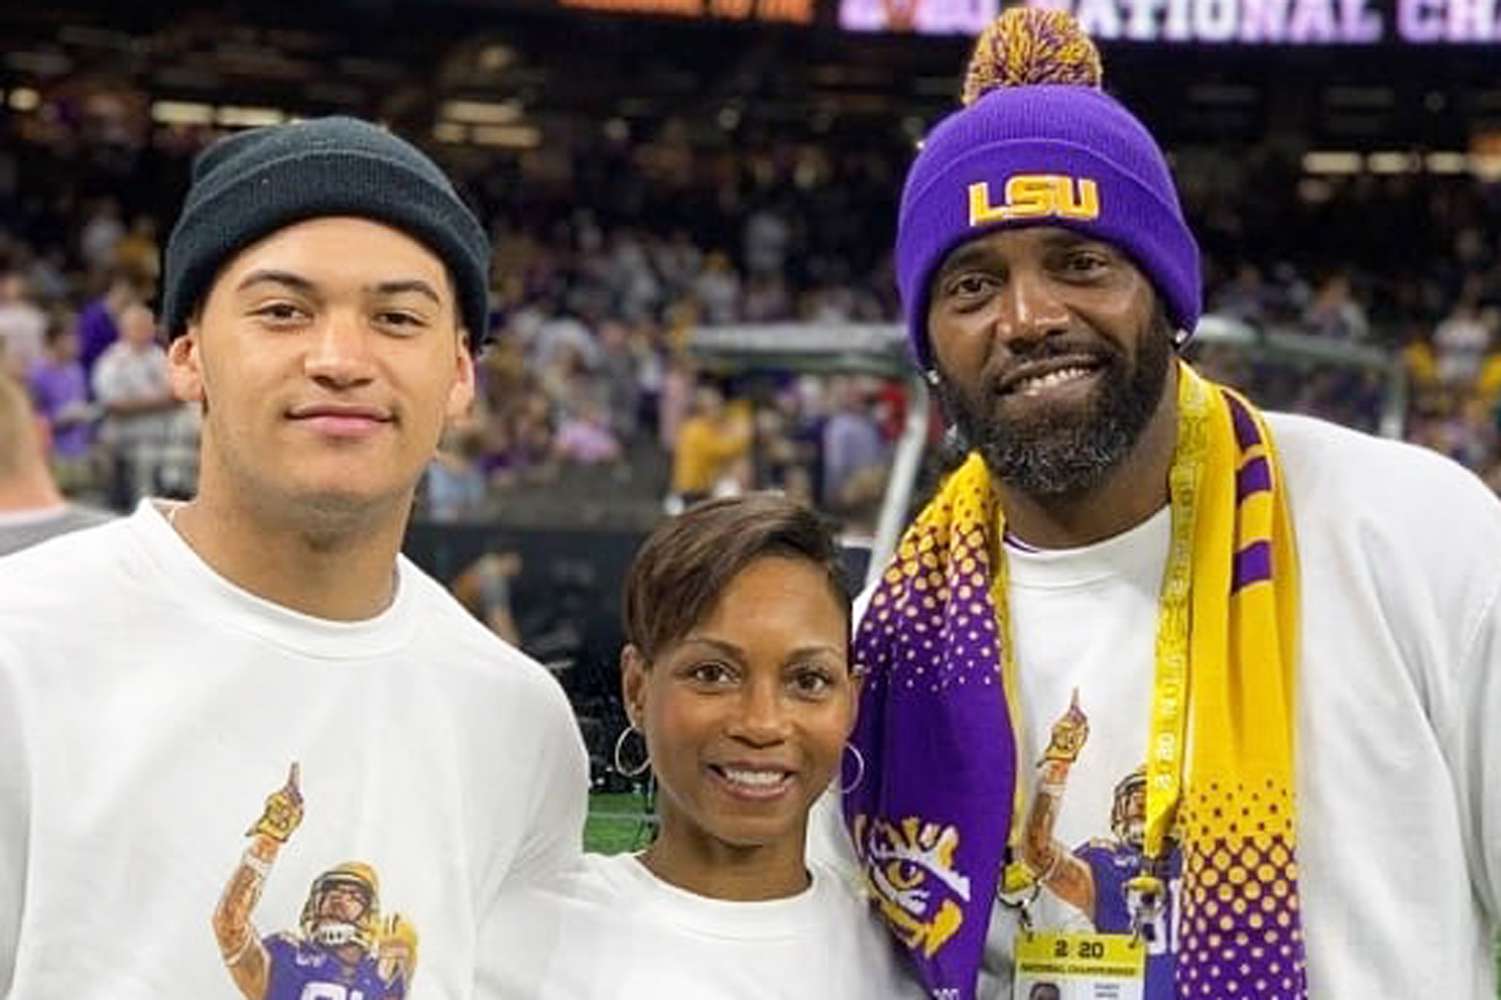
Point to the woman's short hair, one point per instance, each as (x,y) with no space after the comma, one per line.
(682,569)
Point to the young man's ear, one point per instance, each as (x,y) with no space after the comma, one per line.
(185,366)
(461,394)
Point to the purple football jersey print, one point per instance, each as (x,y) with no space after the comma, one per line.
(301,970)
(1113,864)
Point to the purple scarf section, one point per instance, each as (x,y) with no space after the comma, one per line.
(931,815)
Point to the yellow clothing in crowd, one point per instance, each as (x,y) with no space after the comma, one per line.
(707,448)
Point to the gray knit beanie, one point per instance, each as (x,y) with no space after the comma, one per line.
(253,183)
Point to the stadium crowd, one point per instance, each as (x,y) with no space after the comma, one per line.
(608,255)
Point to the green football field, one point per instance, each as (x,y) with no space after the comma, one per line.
(619,823)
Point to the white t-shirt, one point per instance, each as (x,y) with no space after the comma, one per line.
(147,709)
(1398,711)
(129,374)
(23,335)
(611,930)
(1461,342)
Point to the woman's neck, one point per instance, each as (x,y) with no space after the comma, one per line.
(695,860)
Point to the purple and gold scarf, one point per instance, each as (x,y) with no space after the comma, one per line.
(936,808)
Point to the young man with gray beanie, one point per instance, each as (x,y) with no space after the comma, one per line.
(1165,697)
(324,290)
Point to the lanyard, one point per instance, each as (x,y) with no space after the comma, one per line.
(1167,737)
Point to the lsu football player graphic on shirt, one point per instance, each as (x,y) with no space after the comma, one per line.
(1096,878)
(342,949)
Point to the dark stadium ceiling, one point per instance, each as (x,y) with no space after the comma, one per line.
(519,72)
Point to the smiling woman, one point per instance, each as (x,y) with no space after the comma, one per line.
(737,681)
(737,672)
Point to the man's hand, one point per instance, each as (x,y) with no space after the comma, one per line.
(283,811)
(1070,733)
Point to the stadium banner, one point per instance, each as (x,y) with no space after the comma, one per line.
(1246,22)
(759,11)
(1474,23)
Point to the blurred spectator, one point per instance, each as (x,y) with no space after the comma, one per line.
(784,456)
(767,299)
(525,438)
(1488,381)
(712,448)
(484,587)
(99,323)
(569,382)
(101,236)
(718,290)
(852,443)
(1492,477)
(1462,427)
(454,488)
(32,508)
(131,385)
(48,276)
(1477,434)
(23,324)
(1245,297)
(1334,312)
(631,277)
(137,252)
(60,393)
(620,368)
(679,382)
(563,339)
(678,261)
(647,347)
(1462,341)
(177,473)
(584,437)
(767,236)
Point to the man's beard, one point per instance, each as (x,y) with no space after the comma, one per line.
(1053,452)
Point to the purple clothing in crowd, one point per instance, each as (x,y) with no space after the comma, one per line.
(586,442)
(96,331)
(56,388)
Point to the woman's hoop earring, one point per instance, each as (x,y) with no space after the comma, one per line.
(639,769)
(859,769)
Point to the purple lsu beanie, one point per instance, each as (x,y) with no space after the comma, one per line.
(1056,154)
